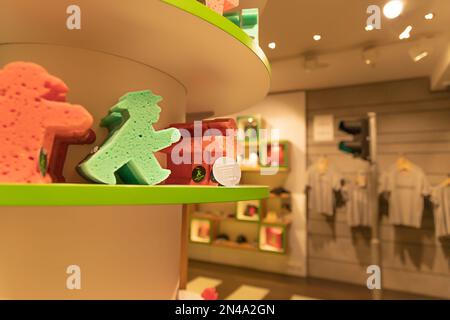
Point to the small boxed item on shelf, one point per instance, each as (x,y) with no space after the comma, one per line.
(248,128)
(272,238)
(277,155)
(202,230)
(278,207)
(248,141)
(249,210)
(196,155)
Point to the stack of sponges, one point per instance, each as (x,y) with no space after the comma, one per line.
(34,116)
(221,6)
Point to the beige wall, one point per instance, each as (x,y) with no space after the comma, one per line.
(413,121)
(285,112)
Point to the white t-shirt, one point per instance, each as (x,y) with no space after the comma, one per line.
(441,200)
(322,184)
(407,189)
(357,203)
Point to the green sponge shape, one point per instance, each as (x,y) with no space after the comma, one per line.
(128,152)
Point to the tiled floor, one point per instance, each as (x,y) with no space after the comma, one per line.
(238,283)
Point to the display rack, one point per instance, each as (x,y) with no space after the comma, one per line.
(271,233)
(173,47)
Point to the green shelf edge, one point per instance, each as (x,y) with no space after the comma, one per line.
(105,195)
(201,11)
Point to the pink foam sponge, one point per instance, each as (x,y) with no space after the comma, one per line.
(210,294)
(34,115)
(221,6)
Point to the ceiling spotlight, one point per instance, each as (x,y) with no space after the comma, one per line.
(406,34)
(369,27)
(421,50)
(370,56)
(272,45)
(317,37)
(420,56)
(393,9)
(429,16)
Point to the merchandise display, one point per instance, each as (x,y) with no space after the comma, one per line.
(322,180)
(249,127)
(223,236)
(129,149)
(248,210)
(277,155)
(36,115)
(59,154)
(201,144)
(272,238)
(241,239)
(356,195)
(231,150)
(406,186)
(441,199)
(248,20)
(210,294)
(279,206)
(221,6)
(201,230)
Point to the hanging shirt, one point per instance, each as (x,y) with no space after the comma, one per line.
(357,202)
(322,185)
(441,200)
(406,190)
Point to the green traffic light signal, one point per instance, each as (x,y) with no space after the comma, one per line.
(359,146)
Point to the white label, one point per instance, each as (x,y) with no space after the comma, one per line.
(323,128)
(226,171)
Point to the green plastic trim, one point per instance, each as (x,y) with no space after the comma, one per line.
(105,195)
(197,9)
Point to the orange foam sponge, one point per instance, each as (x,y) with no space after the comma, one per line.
(33,114)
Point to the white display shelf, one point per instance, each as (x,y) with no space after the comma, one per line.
(220,67)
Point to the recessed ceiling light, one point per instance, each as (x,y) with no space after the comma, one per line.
(421,50)
(369,27)
(393,9)
(272,45)
(370,56)
(429,16)
(317,37)
(420,56)
(406,33)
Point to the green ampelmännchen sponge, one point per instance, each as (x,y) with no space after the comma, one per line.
(128,152)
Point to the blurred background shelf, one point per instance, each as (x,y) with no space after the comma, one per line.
(234,245)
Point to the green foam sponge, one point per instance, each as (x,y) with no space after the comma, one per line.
(128,152)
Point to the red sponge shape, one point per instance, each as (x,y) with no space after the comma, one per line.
(33,114)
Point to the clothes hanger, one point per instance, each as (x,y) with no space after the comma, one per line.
(446,182)
(402,163)
(323,163)
(361,179)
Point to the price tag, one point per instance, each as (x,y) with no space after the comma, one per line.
(226,171)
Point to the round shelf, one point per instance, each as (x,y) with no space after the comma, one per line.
(219,66)
(105,195)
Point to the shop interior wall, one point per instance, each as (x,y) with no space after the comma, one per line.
(412,121)
(285,112)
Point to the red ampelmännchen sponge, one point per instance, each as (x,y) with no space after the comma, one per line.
(33,114)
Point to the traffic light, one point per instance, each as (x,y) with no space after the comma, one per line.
(359,146)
